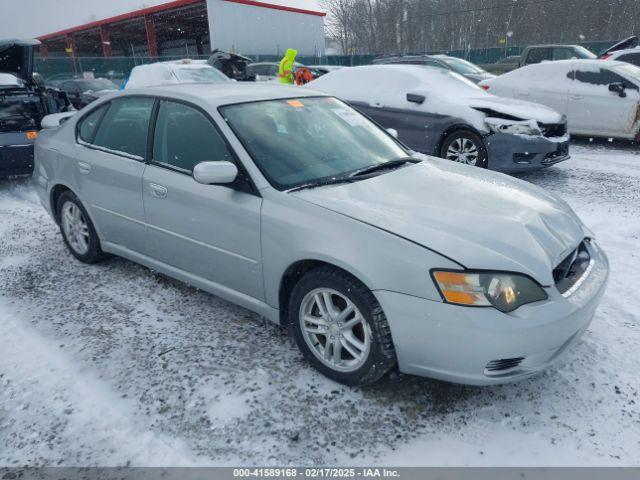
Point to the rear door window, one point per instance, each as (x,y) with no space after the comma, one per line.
(563,54)
(633,58)
(601,77)
(538,55)
(125,126)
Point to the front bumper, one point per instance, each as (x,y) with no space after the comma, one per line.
(16,154)
(482,346)
(519,153)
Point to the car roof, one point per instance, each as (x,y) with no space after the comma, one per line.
(553,45)
(578,61)
(219,94)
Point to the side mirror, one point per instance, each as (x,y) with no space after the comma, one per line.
(209,173)
(415,98)
(393,132)
(618,88)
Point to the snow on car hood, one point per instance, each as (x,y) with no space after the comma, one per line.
(480,219)
(517,108)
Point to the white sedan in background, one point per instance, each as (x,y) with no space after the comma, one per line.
(174,72)
(600,98)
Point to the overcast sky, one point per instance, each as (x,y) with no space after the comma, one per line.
(32,18)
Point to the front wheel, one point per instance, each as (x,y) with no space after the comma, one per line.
(340,327)
(466,147)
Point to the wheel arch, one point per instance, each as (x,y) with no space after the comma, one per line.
(457,127)
(54,194)
(292,275)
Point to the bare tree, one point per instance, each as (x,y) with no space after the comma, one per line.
(401,26)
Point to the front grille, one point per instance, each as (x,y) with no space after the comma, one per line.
(498,366)
(572,268)
(553,129)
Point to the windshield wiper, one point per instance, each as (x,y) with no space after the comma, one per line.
(333,181)
(384,166)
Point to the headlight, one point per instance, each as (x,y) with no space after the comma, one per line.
(513,127)
(504,291)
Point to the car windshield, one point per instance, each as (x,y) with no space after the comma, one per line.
(200,75)
(304,141)
(96,85)
(19,112)
(462,66)
(629,71)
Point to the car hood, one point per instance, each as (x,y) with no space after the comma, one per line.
(516,108)
(480,219)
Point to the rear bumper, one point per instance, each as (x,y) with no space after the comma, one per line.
(16,154)
(482,346)
(518,153)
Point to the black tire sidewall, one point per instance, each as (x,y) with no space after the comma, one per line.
(483,161)
(380,359)
(94,253)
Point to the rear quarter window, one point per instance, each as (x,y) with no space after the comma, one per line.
(88,125)
(633,58)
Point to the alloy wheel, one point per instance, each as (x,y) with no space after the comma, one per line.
(463,150)
(335,330)
(75,228)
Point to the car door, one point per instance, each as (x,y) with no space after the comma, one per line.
(546,83)
(594,109)
(210,231)
(109,164)
(420,131)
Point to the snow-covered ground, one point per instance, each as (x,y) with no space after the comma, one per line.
(113,364)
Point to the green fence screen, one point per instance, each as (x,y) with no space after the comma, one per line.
(117,68)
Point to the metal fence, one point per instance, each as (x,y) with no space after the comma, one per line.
(119,67)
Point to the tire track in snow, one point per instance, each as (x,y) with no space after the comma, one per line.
(52,406)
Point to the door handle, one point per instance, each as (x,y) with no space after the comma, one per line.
(576,97)
(84,167)
(157,191)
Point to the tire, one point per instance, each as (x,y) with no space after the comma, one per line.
(458,145)
(88,252)
(374,355)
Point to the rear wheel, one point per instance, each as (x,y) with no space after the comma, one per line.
(340,327)
(78,232)
(466,147)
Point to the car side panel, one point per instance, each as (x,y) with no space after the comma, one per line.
(420,131)
(379,259)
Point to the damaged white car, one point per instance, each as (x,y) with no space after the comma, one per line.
(438,112)
(600,98)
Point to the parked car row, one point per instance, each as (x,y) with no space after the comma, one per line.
(438,112)
(316,208)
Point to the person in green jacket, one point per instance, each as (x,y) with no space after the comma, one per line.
(285,72)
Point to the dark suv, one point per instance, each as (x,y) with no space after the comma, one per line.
(24,101)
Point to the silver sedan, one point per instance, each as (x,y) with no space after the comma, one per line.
(295,206)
